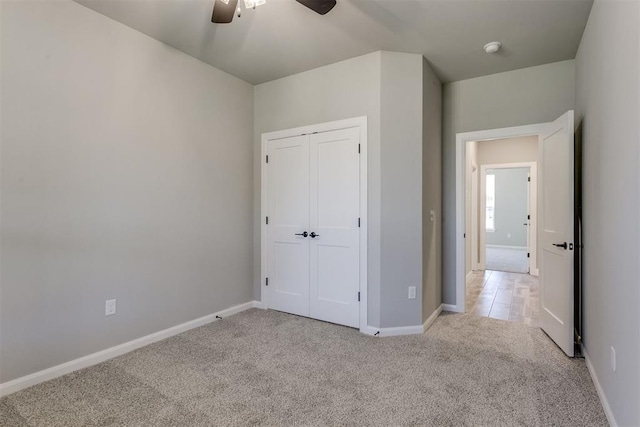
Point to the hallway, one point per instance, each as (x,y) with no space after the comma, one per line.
(502,295)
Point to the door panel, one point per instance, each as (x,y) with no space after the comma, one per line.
(556,227)
(288,211)
(334,212)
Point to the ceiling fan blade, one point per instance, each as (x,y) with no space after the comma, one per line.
(223,11)
(319,6)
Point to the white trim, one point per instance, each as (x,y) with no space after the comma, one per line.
(393,332)
(603,398)
(18,384)
(427,323)
(461,141)
(475,219)
(403,330)
(451,308)
(504,246)
(360,122)
(259,304)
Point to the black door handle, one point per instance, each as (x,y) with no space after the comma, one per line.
(303,234)
(314,235)
(561,245)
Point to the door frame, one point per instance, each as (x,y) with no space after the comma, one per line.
(356,122)
(532,207)
(475,221)
(461,143)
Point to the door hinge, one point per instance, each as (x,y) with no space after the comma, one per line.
(528,255)
(464,236)
(358,222)
(528,216)
(266,282)
(267,220)
(358,296)
(528,179)
(358,148)
(267,159)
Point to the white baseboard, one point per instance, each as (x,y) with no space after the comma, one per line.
(603,398)
(109,353)
(431,318)
(450,307)
(403,330)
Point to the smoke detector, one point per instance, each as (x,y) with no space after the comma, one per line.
(492,47)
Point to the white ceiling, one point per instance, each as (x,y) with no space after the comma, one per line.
(283,37)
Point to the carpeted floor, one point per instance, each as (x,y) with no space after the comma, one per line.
(265,367)
(513,260)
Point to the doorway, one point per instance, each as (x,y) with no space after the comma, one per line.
(501,242)
(556,234)
(508,211)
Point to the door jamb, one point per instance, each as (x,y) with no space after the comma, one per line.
(475,218)
(461,141)
(360,122)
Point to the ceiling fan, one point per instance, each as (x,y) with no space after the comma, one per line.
(223,10)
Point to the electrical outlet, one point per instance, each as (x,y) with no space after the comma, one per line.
(110,307)
(613,359)
(412,292)
(432,215)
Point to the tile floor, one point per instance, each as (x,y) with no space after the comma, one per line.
(505,296)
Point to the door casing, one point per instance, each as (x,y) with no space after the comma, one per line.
(461,142)
(357,122)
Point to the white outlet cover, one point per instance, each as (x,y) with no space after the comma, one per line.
(613,359)
(412,292)
(110,307)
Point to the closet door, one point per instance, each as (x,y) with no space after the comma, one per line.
(288,210)
(334,210)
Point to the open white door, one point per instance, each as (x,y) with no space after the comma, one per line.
(556,232)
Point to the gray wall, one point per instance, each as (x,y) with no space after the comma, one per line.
(386,87)
(342,90)
(530,95)
(608,104)
(126,173)
(431,191)
(401,183)
(511,207)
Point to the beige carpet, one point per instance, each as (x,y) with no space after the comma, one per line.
(265,367)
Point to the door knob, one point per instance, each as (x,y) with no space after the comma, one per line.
(561,245)
(303,234)
(314,235)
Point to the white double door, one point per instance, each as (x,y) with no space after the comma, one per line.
(313,199)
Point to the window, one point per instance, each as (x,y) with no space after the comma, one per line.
(490,203)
